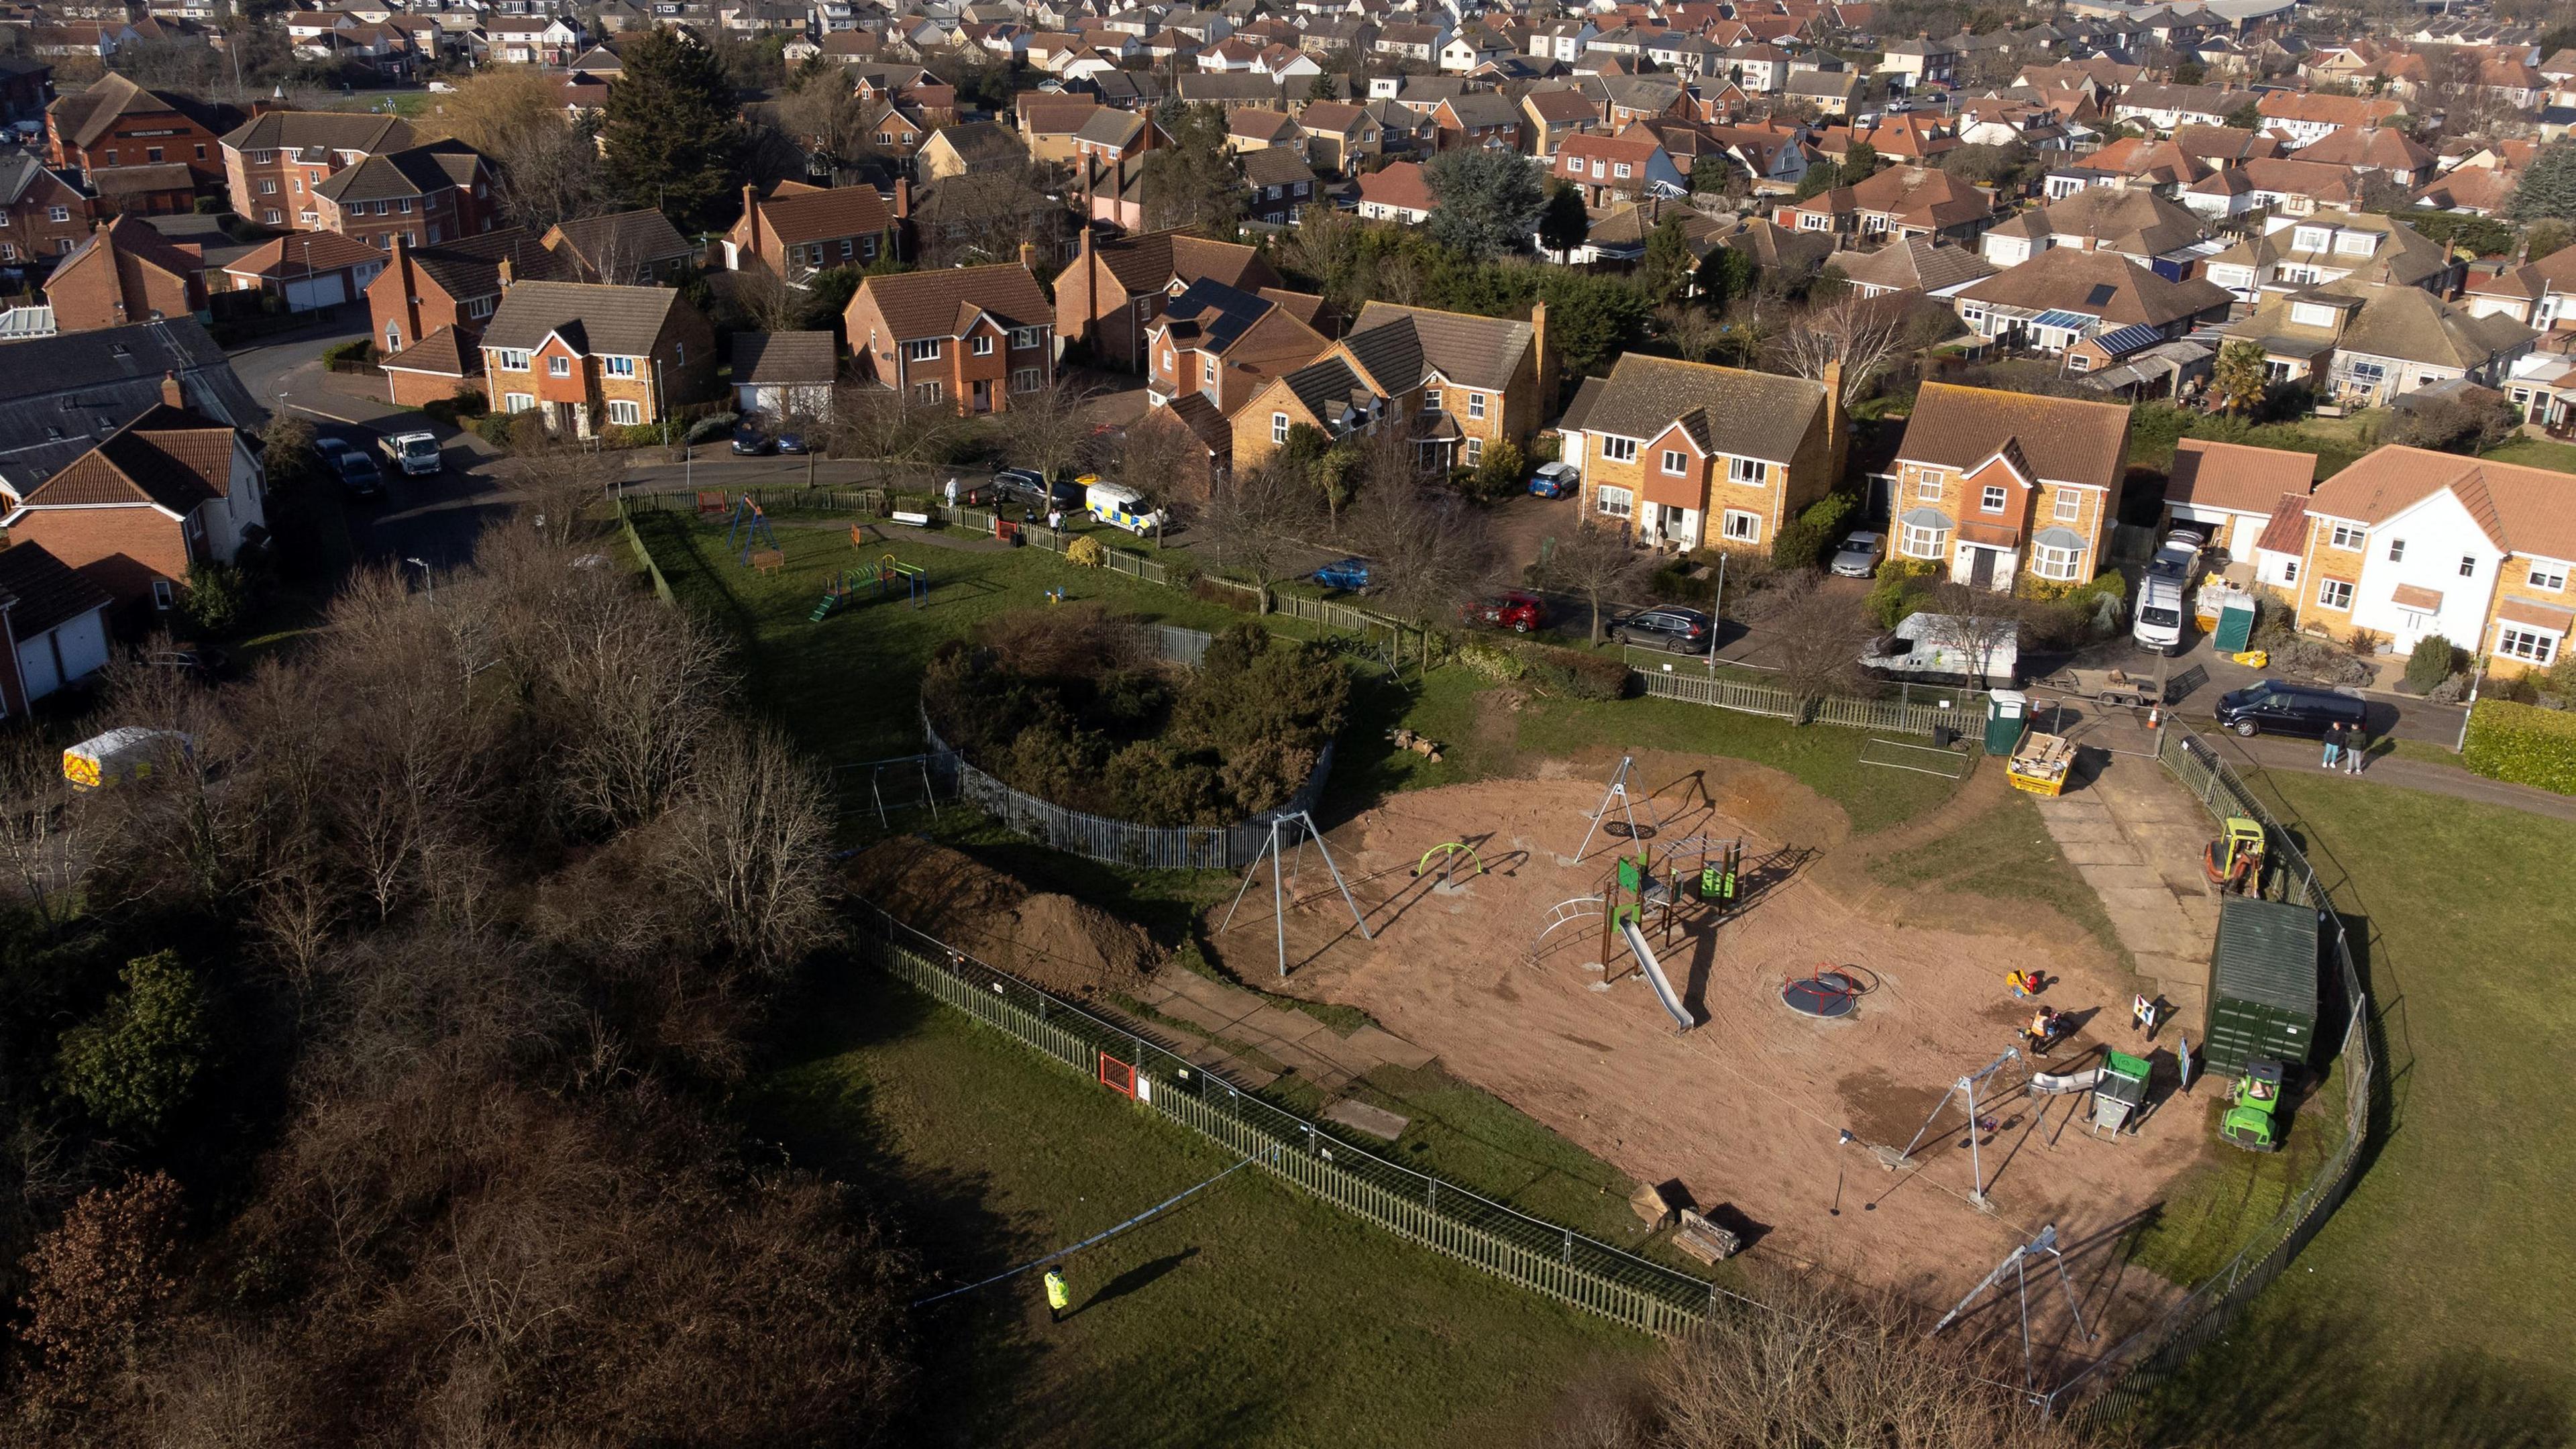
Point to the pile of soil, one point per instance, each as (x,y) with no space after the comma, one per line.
(1053,940)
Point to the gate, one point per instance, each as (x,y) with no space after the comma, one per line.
(1117,1076)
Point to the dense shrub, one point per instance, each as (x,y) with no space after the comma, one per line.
(2433,660)
(1816,528)
(713,425)
(1086,552)
(1574,673)
(2522,743)
(1901,581)
(357,349)
(2453,425)
(1068,705)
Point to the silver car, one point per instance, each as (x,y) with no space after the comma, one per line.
(1858,557)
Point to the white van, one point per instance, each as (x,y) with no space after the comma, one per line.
(1948,649)
(2159,624)
(1119,506)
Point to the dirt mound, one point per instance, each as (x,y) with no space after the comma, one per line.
(1053,940)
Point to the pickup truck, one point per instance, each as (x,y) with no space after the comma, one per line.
(412,453)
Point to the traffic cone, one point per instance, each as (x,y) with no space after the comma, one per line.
(2155,716)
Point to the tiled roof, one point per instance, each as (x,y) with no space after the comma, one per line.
(1399,184)
(821,215)
(2067,440)
(624,239)
(2138,222)
(66,392)
(784,357)
(416,172)
(928,304)
(2287,529)
(1275,166)
(171,457)
(134,237)
(2098,284)
(41,591)
(303,253)
(448,352)
(2237,477)
(1400,345)
(328,130)
(1728,410)
(1915,264)
(136,180)
(618,321)
(1148,261)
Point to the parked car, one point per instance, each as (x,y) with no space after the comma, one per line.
(1858,557)
(2176,557)
(1351,574)
(2279,707)
(202,660)
(1515,609)
(1667,626)
(792,443)
(1028,488)
(1556,480)
(2159,625)
(359,475)
(751,442)
(330,451)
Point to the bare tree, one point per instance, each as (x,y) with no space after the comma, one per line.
(1819,634)
(1253,519)
(548,163)
(1429,549)
(1596,562)
(1050,428)
(1693,333)
(45,839)
(891,428)
(766,300)
(1161,458)
(562,491)
(1865,335)
(750,844)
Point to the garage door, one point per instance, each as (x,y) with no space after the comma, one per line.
(36,667)
(303,294)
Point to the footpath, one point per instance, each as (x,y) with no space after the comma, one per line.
(2383,768)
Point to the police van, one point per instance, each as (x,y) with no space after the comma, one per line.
(1119,506)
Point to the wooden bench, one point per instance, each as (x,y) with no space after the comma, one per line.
(768,561)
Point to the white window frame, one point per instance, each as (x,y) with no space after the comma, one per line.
(931,391)
(517,402)
(511,359)
(2528,645)
(2059,564)
(625,412)
(983,344)
(1476,405)
(1023,338)
(1207,371)
(1475,451)
(2348,537)
(921,350)
(617,366)
(558,366)
(1612,501)
(1027,379)
(1431,402)
(1676,462)
(2552,577)
(2069,506)
(1741,526)
(1618,450)
(2335,594)
(2397,550)
(1993,498)
(1751,472)
(1927,486)
(1914,541)
(1278,428)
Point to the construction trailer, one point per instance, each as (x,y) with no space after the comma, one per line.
(2263,985)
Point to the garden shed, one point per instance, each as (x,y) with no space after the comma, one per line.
(2262,985)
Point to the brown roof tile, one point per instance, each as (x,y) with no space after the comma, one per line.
(928,304)
(2238,477)
(2065,439)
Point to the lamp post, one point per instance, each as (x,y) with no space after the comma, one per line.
(428,581)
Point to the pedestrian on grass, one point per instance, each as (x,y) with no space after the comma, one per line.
(2334,745)
(1058,1296)
(1055,519)
(952,492)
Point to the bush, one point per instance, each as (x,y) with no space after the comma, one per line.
(2432,661)
(1503,473)
(210,206)
(359,349)
(1818,527)
(1574,673)
(2453,425)
(640,435)
(1901,581)
(218,595)
(1086,552)
(468,403)
(1181,570)
(2522,743)
(713,425)
(494,428)
(1497,662)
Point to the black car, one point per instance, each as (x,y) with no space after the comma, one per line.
(359,474)
(1683,631)
(751,442)
(1028,488)
(2278,707)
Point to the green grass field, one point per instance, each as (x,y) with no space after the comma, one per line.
(1248,1316)
(2434,1307)
(2005,854)
(2535,453)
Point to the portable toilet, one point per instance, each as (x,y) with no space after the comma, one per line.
(2263,987)
(2235,631)
(2007,715)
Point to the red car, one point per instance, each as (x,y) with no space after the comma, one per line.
(1517,611)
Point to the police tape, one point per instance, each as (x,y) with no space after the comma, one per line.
(1061,1253)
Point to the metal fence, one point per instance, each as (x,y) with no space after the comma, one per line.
(2125,1380)
(1541,1256)
(1904,714)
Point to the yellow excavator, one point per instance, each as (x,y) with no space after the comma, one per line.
(2234,861)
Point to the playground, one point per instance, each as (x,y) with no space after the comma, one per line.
(1827,1033)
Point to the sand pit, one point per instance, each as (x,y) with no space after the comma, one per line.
(1747,1108)
(1053,940)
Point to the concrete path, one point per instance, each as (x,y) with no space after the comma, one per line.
(1294,1040)
(2137,838)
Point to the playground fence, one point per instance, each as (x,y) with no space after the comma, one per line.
(1905,715)
(2126,1380)
(1541,1256)
(644,556)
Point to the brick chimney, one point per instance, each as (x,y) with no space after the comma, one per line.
(1029,255)
(170,392)
(1546,361)
(509,273)
(751,219)
(401,266)
(902,198)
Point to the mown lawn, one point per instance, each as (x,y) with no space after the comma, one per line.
(2535,453)
(2004,853)
(2434,1308)
(1248,1316)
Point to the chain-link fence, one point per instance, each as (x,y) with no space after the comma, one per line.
(2124,1380)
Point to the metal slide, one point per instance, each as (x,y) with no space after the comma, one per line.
(1655,974)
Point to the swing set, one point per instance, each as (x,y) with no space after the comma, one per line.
(751,526)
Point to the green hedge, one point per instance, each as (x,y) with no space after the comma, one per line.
(2524,744)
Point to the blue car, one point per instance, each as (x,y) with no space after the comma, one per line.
(791,443)
(1351,574)
(1555,480)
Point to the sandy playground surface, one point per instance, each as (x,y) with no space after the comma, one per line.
(1747,1109)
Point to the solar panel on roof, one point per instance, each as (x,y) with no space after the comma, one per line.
(2122,340)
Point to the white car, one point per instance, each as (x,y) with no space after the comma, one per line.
(1858,557)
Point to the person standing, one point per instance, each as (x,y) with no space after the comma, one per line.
(2334,745)
(2355,745)
(1058,1296)
(952,492)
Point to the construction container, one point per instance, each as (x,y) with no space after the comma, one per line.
(2263,983)
(2235,630)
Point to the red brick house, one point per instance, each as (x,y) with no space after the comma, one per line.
(637,248)
(170,489)
(53,626)
(1116,286)
(118,123)
(126,272)
(429,307)
(799,230)
(274,164)
(426,195)
(592,357)
(42,216)
(968,337)
(312,271)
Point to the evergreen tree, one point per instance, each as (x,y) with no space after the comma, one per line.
(1666,271)
(1489,201)
(2548,187)
(671,137)
(1190,181)
(1565,222)
(1725,274)
(1858,163)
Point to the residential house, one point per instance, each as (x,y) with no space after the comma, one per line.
(1455,384)
(1410,42)
(973,146)
(126,272)
(634,248)
(2139,225)
(1469,47)
(2278,185)
(169,489)
(1619,232)
(1901,201)
(1935,269)
(1115,287)
(53,624)
(1110,137)
(1047,123)
(2371,151)
(2233,494)
(798,230)
(1337,134)
(1997,485)
(2305,117)
(42,215)
(425,194)
(429,306)
(1279,186)
(2296,253)
(785,375)
(1618,168)
(1252,128)
(1479,119)
(2169,107)
(1397,192)
(2539,294)
(969,338)
(2408,543)
(2064,295)
(308,271)
(1919,62)
(275,161)
(529,39)
(2367,340)
(1222,344)
(1685,455)
(1554,115)
(1562,41)
(117,123)
(68,390)
(588,356)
